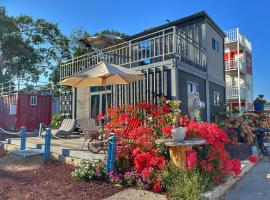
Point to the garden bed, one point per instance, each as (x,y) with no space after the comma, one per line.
(51,181)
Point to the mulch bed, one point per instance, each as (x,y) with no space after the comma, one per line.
(51,181)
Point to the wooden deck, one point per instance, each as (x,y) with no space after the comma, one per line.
(68,150)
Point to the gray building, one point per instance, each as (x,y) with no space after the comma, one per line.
(179,59)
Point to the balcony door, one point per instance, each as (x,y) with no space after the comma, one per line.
(98,102)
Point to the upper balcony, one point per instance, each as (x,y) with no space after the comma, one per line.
(233,36)
(232,65)
(170,43)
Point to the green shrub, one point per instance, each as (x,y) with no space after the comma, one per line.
(56,120)
(183,184)
(92,170)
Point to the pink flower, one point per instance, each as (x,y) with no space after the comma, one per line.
(157,188)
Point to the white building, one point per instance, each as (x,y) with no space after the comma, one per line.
(238,67)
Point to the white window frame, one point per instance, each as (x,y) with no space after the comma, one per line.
(217,98)
(193,85)
(33,100)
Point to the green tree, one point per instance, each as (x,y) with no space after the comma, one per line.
(29,47)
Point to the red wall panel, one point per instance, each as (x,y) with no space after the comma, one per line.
(31,116)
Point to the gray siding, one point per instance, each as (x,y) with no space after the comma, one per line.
(215,60)
(214,109)
(183,78)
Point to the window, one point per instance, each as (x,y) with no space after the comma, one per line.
(33,101)
(192,87)
(215,45)
(216,98)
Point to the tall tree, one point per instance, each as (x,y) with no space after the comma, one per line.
(29,47)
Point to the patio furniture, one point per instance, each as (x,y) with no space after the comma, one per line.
(92,134)
(179,148)
(65,129)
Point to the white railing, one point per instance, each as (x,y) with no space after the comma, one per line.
(233,92)
(10,87)
(232,64)
(233,35)
(155,47)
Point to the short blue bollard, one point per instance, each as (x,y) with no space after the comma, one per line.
(112,143)
(23,139)
(113,154)
(41,129)
(47,148)
(108,166)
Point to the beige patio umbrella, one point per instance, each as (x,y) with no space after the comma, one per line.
(103,74)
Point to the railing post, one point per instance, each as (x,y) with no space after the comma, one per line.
(174,40)
(47,148)
(41,129)
(23,139)
(112,143)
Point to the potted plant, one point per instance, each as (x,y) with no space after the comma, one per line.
(259,103)
(179,131)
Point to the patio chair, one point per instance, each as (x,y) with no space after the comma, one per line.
(90,129)
(65,129)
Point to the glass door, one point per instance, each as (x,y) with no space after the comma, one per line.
(98,102)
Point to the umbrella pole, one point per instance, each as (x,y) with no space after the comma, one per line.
(106,99)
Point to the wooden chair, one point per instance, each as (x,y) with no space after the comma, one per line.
(91,134)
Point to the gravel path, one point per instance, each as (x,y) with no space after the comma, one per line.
(254,185)
(51,181)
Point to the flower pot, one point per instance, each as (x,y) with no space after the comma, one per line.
(258,107)
(179,133)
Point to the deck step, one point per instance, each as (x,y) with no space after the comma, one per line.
(28,153)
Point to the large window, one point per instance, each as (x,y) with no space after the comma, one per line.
(192,87)
(216,98)
(215,45)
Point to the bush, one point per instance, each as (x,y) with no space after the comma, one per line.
(92,170)
(183,184)
(56,119)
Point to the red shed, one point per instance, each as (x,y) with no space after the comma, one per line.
(23,109)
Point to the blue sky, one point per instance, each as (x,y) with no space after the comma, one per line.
(252,17)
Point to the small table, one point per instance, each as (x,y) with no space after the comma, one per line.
(178,149)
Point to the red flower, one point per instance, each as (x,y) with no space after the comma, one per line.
(123,118)
(142,161)
(157,188)
(100,117)
(253,159)
(147,172)
(167,130)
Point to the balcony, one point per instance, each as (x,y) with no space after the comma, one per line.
(233,93)
(234,35)
(232,65)
(170,43)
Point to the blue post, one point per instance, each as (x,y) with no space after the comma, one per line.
(23,138)
(41,129)
(112,143)
(113,155)
(47,148)
(108,166)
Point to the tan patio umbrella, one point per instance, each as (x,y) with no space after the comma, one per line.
(103,74)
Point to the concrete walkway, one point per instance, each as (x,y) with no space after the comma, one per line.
(255,185)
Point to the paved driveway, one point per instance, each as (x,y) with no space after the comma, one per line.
(254,185)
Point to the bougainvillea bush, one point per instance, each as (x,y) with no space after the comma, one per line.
(213,157)
(141,162)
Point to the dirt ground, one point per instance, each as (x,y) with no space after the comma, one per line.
(47,181)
